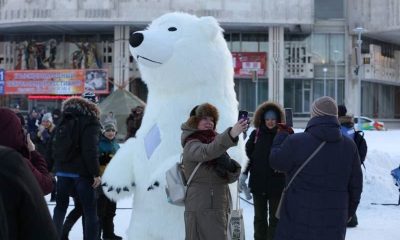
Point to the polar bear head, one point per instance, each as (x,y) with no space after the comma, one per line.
(185,48)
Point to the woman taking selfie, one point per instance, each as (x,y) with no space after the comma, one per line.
(207,202)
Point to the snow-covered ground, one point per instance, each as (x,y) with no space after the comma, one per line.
(376,222)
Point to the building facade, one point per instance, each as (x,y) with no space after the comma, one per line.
(308,47)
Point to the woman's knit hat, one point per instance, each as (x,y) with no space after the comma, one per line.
(47,117)
(324,106)
(200,111)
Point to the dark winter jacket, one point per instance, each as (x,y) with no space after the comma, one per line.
(107,149)
(13,136)
(23,212)
(326,193)
(86,163)
(263,179)
(208,197)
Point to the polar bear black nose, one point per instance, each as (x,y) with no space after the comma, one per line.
(136,39)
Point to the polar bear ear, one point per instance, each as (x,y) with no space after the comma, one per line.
(210,27)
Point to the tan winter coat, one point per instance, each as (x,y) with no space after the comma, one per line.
(207,202)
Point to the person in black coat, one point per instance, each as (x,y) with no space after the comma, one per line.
(80,175)
(265,184)
(23,210)
(325,194)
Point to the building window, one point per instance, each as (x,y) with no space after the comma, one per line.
(328,9)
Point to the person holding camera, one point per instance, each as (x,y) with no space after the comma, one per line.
(265,184)
(207,202)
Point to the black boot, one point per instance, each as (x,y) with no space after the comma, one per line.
(111,237)
(353,222)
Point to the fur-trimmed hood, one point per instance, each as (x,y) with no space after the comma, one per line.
(264,107)
(200,111)
(81,106)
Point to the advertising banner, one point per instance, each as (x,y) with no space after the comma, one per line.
(55,82)
(246,63)
(96,80)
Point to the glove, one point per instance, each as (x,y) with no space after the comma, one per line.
(225,162)
(243,186)
(283,128)
(242,180)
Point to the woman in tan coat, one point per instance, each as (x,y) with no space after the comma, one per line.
(207,202)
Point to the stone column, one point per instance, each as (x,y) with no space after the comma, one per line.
(276,64)
(121,56)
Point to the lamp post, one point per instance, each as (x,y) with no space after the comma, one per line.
(336,52)
(359,30)
(325,70)
(255,80)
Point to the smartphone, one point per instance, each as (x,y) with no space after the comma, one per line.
(243,115)
(289,117)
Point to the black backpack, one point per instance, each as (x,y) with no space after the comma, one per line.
(65,142)
(361,145)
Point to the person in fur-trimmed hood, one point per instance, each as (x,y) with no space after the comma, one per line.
(80,175)
(208,197)
(265,184)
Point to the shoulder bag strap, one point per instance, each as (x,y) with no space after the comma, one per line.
(192,175)
(304,164)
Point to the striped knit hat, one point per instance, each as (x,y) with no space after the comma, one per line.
(324,106)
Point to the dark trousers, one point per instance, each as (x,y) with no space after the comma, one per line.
(72,218)
(66,186)
(106,210)
(264,216)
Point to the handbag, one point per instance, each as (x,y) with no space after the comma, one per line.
(236,222)
(278,210)
(176,186)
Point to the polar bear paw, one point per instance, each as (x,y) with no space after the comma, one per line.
(154,185)
(115,192)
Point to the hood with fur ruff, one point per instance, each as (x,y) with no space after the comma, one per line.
(81,106)
(264,107)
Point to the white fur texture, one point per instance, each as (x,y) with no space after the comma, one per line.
(189,66)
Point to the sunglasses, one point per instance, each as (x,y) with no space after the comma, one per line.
(110,130)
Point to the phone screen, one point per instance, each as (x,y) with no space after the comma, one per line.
(289,117)
(243,115)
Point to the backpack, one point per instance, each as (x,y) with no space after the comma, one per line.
(176,183)
(65,142)
(361,145)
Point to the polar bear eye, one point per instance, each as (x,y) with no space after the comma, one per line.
(172,29)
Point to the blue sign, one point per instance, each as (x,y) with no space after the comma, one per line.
(2,76)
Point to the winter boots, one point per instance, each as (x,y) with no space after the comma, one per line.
(111,237)
(353,222)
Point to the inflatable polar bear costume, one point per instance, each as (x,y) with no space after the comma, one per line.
(184,61)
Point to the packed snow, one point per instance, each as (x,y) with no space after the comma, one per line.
(376,222)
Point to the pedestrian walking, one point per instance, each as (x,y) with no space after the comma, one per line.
(324,173)
(77,169)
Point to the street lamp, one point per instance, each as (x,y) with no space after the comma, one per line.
(325,70)
(359,30)
(335,59)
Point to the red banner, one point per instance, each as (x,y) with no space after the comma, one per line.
(55,82)
(245,63)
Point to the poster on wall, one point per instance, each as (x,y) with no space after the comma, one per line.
(96,80)
(2,73)
(246,63)
(55,82)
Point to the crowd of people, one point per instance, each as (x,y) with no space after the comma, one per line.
(77,175)
(312,179)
